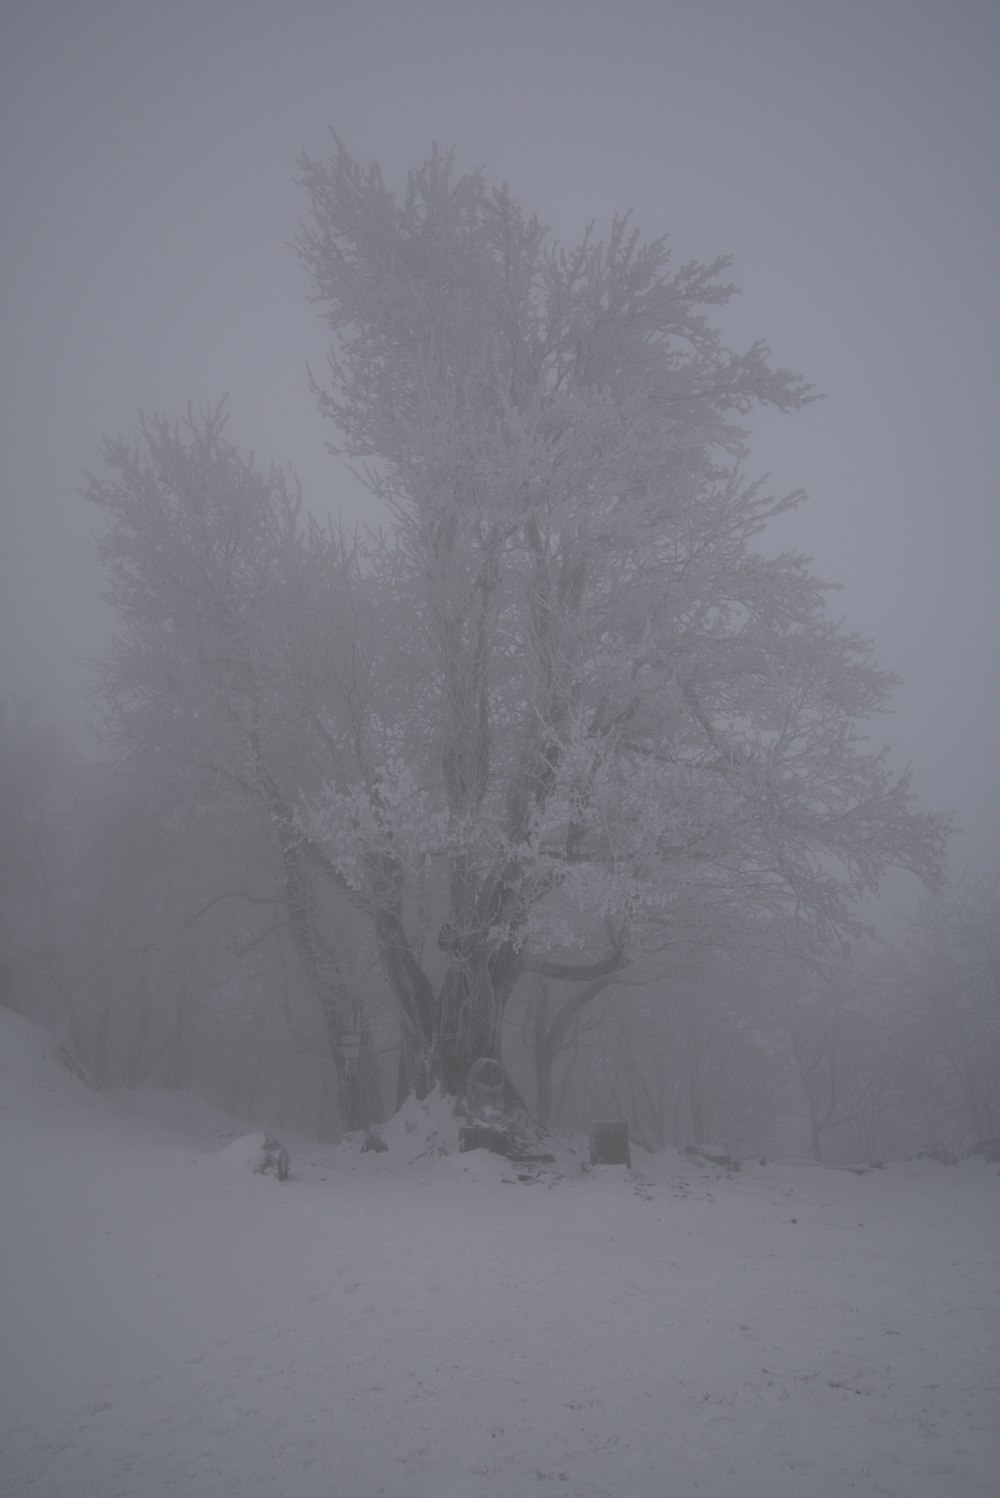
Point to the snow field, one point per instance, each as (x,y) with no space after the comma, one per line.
(422,1325)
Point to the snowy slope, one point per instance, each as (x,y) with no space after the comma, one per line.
(418,1324)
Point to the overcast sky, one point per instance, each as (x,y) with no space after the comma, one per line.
(844,152)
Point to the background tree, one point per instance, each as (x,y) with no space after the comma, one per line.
(214,684)
(825,1025)
(41,825)
(948,967)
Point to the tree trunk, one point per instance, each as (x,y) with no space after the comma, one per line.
(696,1101)
(815,1138)
(412,1075)
(469,1027)
(552,1035)
(544,1056)
(102,1048)
(137,1048)
(359,1082)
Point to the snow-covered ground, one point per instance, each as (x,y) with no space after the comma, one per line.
(383,1326)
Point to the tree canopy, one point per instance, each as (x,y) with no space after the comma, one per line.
(562,699)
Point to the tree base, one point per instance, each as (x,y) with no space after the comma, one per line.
(480,1136)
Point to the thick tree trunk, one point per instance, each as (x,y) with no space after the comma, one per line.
(359,1097)
(416,1073)
(469,1027)
(410,985)
(359,1081)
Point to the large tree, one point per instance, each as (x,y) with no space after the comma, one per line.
(582,689)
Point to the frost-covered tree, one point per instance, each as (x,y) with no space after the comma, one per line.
(585,687)
(948,965)
(229,629)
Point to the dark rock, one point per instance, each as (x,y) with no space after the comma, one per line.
(274,1157)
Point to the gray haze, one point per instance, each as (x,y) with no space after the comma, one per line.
(845,154)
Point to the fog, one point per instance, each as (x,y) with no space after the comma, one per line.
(349,885)
(845,156)
(845,159)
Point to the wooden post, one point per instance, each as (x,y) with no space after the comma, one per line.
(609,1143)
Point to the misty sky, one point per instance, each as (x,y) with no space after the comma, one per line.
(845,153)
